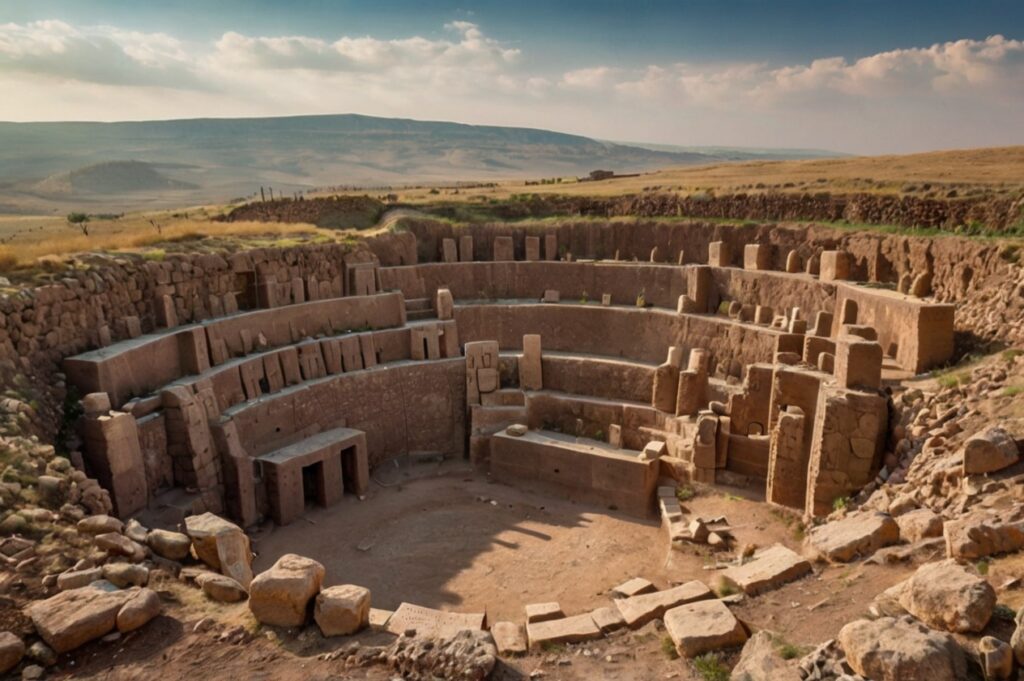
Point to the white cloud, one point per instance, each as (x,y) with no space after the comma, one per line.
(963,92)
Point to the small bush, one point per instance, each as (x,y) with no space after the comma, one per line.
(788,651)
(710,668)
(669,648)
(685,493)
(1013,390)
(982,567)
(840,503)
(78,218)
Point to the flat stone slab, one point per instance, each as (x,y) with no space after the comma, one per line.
(697,628)
(639,610)
(634,587)
(509,638)
(608,619)
(574,629)
(768,570)
(855,536)
(429,622)
(379,618)
(542,612)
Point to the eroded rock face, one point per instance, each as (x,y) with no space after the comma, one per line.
(901,649)
(946,595)
(918,524)
(342,610)
(983,533)
(74,617)
(12,649)
(222,545)
(989,451)
(852,537)
(704,626)
(281,595)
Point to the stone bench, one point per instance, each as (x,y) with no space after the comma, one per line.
(334,462)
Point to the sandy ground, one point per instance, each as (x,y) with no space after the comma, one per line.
(443,536)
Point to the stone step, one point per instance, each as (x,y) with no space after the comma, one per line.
(418,315)
(418,304)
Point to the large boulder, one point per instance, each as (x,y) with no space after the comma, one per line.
(700,627)
(342,610)
(12,649)
(984,533)
(222,545)
(169,545)
(761,661)
(901,649)
(143,606)
(855,536)
(281,595)
(990,451)
(74,617)
(946,595)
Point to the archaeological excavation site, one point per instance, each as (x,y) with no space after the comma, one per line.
(616,444)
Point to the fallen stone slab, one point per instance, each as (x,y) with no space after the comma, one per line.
(608,619)
(542,612)
(222,545)
(768,570)
(427,622)
(704,626)
(901,649)
(74,579)
(760,660)
(509,638)
(852,537)
(280,596)
(634,587)
(379,618)
(946,595)
(342,610)
(100,524)
(576,629)
(639,610)
(77,616)
(989,451)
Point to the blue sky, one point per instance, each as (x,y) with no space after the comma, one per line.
(861,76)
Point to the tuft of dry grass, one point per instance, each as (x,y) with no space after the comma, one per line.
(54,239)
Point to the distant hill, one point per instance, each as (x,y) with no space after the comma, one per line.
(53,166)
(112,177)
(743,153)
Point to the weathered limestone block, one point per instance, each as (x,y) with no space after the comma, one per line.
(280,596)
(221,588)
(124,575)
(481,369)
(757,257)
(768,570)
(575,629)
(856,535)
(901,649)
(551,247)
(641,609)
(445,304)
(858,363)
(666,385)
(75,617)
(698,287)
(99,524)
(719,254)
(990,451)
(466,248)
(607,619)
(113,452)
(835,266)
(697,628)
(793,263)
(12,649)
(996,658)
(75,579)
(822,324)
(918,524)
(142,606)
(542,612)
(983,533)
(222,545)
(342,610)
(921,286)
(533,248)
(550,296)
(509,638)
(761,660)
(503,249)
(653,450)
(530,374)
(786,462)
(428,622)
(449,252)
(948,596)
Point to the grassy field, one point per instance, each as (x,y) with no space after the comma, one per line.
(968,172)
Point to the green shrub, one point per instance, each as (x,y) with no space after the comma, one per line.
(710,668)
(669,648)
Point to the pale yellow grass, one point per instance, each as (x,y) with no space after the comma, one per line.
(55,237)
(993,168)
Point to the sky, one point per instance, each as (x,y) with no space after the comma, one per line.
(860,76)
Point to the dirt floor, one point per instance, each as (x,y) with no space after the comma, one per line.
(443,536)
